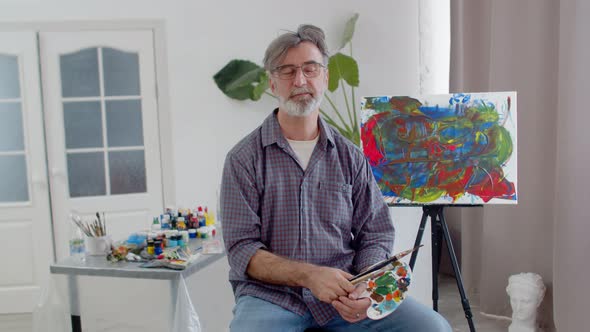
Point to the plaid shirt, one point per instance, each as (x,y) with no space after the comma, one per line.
(331,214)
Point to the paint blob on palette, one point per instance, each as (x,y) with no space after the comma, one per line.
(442,149)
(387,290)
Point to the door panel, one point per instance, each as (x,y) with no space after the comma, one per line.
(102,129)
(25,222)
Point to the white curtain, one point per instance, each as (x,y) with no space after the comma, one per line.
(571,267)
(541,49)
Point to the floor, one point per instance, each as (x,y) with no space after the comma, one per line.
(449,305)
(16,323)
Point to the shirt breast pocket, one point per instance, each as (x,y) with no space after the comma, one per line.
(335,203)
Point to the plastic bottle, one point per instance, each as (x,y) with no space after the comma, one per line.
(156,224)
(209,218)
(180,223)
(77,247)
(165,222)
(201,217)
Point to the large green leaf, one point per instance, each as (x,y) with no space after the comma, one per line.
(242,79)
(349,30)
(260,88)
(342,67)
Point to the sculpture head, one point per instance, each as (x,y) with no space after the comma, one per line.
(526,291)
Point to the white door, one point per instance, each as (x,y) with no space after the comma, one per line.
(25,220)
(101,121)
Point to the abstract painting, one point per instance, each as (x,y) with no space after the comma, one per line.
(455,149)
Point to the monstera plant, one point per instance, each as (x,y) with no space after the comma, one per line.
(243,79)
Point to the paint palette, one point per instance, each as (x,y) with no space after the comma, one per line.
(387,290)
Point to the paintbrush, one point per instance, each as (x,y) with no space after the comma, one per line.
(381,266)
(101,224)
(94,228)
(104,221)
(97,222)
(78,221)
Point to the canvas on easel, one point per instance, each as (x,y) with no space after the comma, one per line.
(442,149)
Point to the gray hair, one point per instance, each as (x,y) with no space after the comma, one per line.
(278,48)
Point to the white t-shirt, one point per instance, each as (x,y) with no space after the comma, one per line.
(303,150)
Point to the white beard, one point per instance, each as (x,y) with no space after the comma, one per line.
(301,108)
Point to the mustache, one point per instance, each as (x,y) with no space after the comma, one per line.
(297,91)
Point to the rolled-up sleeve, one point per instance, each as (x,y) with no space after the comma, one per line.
(239,206)
(372,228)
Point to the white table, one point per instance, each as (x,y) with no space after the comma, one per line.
(99,266)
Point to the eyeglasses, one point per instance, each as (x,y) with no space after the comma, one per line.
(288,72)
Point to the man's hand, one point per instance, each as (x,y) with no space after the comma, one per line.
(327,283)
(351,308)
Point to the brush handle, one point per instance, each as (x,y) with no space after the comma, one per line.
(366,277)
(380,265)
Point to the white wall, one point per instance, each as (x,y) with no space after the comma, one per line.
(385,46)
(202,36)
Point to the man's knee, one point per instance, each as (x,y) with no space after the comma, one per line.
(430,321)
(437,322)
(254,314)
(414,316)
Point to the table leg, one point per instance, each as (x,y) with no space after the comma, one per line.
(76,324)
(174,295)
(74,303)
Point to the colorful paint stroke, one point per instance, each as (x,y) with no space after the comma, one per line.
(387,290)
(442,149)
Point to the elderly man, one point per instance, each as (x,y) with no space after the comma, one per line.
(302,211)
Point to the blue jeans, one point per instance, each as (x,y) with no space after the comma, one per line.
(252,314)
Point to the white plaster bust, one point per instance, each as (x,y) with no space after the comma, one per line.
(526,291)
